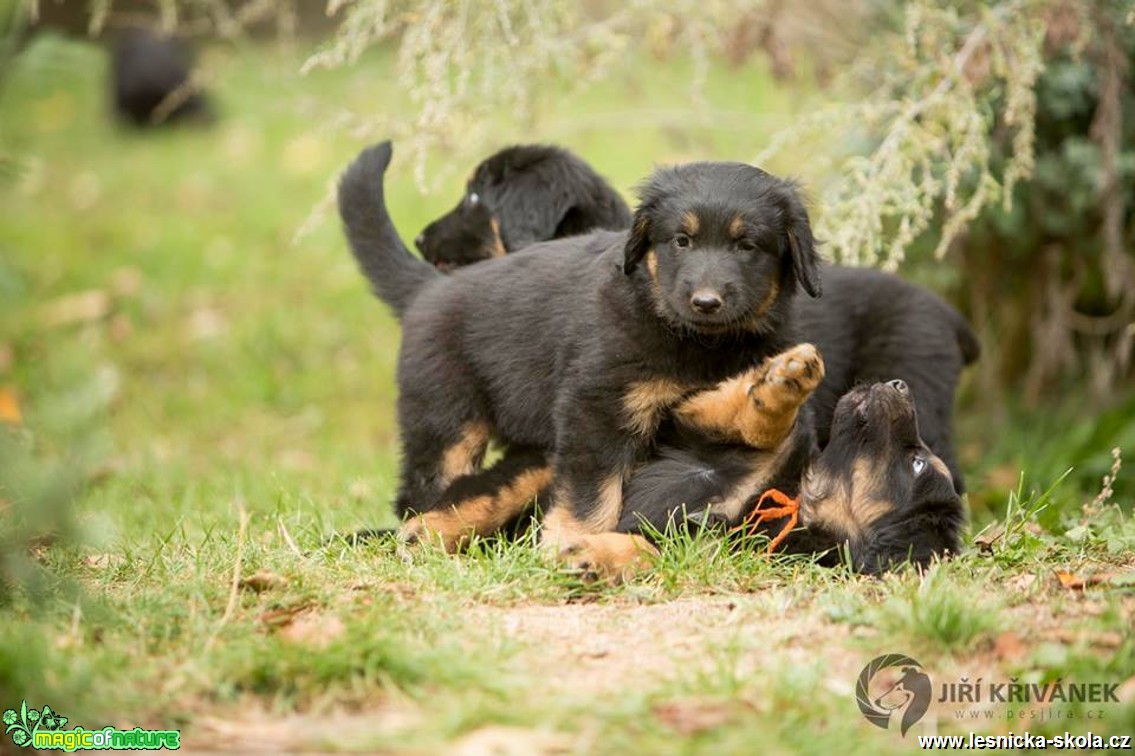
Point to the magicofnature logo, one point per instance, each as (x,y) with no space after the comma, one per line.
(43,730)
(887,699)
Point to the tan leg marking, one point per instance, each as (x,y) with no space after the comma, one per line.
(465,456)
(453,526)
(609,557)
(758,407)
(646,402)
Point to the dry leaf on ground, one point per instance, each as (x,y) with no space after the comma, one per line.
(263,580)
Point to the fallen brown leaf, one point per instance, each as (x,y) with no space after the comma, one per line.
(693,715)
(986,540)
(263,580)
(1075,582)
(10,407)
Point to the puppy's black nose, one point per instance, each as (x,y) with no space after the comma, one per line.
(706,301)
(899,385)
(419,240)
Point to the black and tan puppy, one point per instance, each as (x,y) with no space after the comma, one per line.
(581,346)
(876,490)
(519,196)
(870,326)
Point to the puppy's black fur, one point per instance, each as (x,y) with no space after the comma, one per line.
(519,196)
(876,490)
(579,346)
(872,326)
(150,72)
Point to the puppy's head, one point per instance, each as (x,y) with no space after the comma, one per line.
(517,197)
(878,488)
(724,246)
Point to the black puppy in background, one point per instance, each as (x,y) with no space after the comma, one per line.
(151,80)
(519,196)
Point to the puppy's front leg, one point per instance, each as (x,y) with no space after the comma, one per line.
(596,448)
(759,407)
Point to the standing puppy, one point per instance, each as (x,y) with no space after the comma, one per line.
(579,346)
(519,196)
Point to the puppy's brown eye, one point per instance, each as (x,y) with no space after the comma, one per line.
(745,245)
(681,241)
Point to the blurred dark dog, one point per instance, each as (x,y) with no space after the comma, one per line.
(151,80)
(876,495)
(577,347)
(519,196)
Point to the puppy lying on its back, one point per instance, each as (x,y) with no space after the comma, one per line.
(520,196)
(876,490)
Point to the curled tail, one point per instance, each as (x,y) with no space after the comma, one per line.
(395,274)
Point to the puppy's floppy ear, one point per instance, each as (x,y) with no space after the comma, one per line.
(535,218)
(799,241)
(638,242)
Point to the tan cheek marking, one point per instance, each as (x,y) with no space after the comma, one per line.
(464,457)
(851,513)
(645,402)
(652,266)
(497,249)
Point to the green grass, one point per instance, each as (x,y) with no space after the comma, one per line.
(235,375)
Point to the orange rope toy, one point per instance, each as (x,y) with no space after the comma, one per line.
(789,508)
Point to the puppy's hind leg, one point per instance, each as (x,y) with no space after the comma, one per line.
(482,503)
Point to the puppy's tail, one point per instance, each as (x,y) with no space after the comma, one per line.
(395,274)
